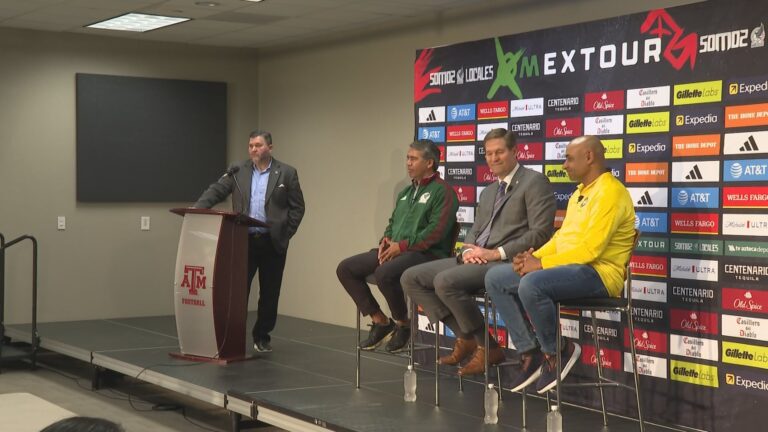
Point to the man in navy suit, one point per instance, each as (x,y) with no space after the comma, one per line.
(267,190)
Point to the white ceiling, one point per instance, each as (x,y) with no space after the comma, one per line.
(234,23)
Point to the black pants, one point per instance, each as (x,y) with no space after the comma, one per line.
(353,271)
(263,257)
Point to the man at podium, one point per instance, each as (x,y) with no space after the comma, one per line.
(267,190)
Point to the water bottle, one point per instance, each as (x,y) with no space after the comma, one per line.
(491,405)
(554,420)
(409,382)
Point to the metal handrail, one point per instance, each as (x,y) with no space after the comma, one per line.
(3,246)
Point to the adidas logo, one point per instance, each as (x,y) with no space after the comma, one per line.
(750,145)
(695,174)
(645,199)
(431,116)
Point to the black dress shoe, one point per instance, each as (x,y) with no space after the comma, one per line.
(262,346)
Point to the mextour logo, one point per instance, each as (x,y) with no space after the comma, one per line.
(511,67)
(194,279)
(679,48)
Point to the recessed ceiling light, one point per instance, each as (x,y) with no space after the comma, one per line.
(137,22)
(207,3)
(254,1)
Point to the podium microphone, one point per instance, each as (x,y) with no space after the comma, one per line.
(231,171)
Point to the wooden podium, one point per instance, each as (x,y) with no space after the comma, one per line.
(209,286)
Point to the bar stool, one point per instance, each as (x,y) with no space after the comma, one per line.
(622,305)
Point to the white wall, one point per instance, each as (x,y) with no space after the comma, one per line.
(102,265)
(340,112)
(343,115)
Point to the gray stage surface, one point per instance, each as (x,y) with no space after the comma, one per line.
(306,384)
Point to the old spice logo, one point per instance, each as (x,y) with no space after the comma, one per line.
(644,343)
(562,130)
(693,324)
(679,48)
(421,76)
(194,279)
(747,303)
(604,360)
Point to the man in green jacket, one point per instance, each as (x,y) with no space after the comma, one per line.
(421,229)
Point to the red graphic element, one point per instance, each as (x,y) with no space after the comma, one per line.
(421,76)
(501,335)
(484,175)
(530,151)
(646,340)
(693,321)
(466,194)
(492,110)
(563,127)
(604,101)
(745,197)
(194,279)
(649,265)
(745,300)
(442,152)
(680,49)
(460,133)
(609,358)
(702,223)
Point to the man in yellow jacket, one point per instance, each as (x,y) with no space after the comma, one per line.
(585,258)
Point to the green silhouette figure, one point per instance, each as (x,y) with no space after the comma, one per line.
(507,71)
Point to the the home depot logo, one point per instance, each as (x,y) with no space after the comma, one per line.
(194,279)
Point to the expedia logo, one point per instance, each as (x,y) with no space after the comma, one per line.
(745,88)
(647,148)
(760,385)
(699,118)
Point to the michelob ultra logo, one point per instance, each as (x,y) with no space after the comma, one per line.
(693,373)
(698,92)
(484,128)
(745,355)
(745,224)
(648,122)
(682,268)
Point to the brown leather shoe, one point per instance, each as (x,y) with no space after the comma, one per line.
(462,349)
(477,364)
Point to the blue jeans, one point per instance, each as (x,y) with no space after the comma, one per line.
(536,294)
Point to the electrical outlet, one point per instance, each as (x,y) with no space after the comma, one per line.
(145,223)
(61,223)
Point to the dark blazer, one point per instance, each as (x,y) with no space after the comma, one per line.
(526,218)
(284,201)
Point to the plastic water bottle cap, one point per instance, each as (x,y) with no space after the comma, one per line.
(490,386)
(554,407)
(410,367)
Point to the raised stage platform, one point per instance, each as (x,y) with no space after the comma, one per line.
(307,383)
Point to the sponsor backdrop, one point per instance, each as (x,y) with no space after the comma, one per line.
(680,99)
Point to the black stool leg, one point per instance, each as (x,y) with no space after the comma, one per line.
(357,373)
